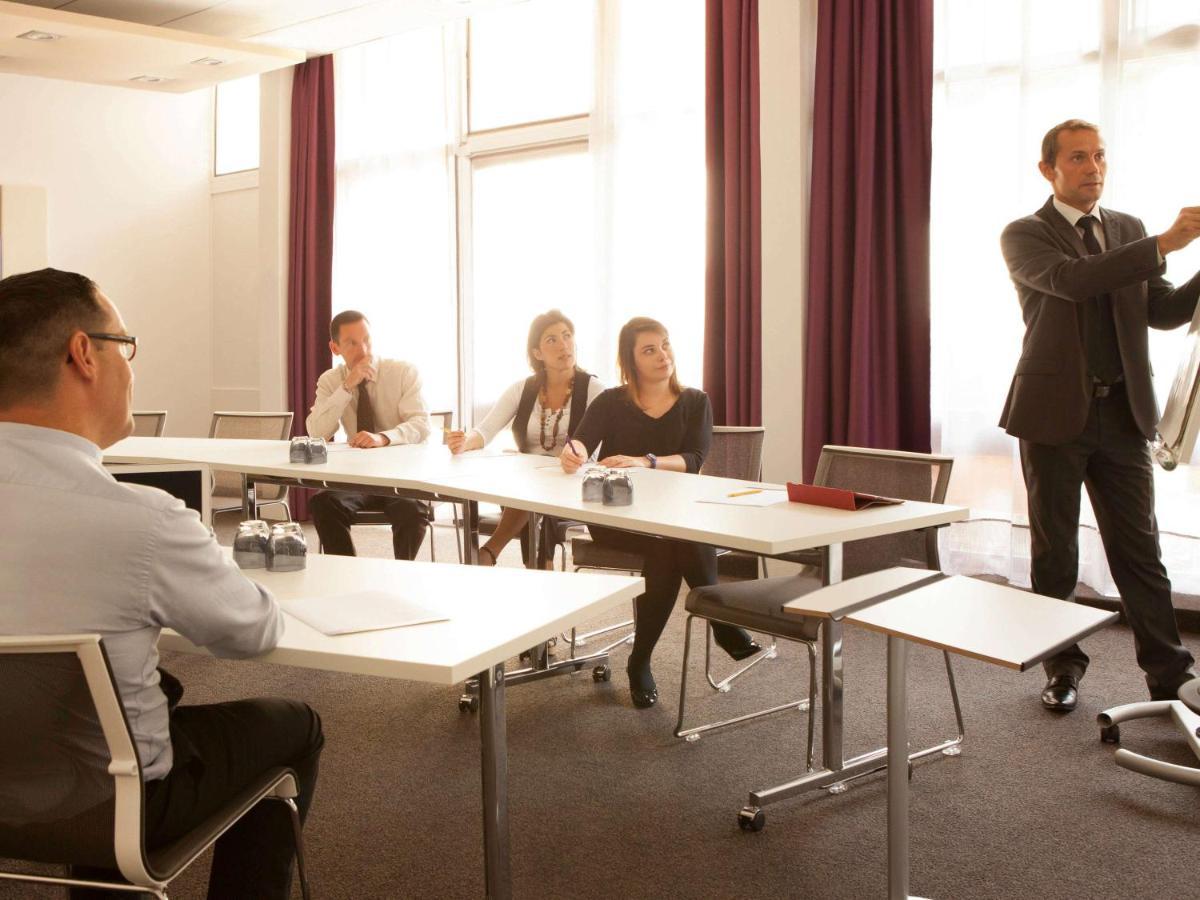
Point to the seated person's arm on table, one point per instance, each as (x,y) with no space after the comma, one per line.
(500,415)
(196,590)
(413,413)
(595,425)
(328,407)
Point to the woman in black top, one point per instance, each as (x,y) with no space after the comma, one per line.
(651,421)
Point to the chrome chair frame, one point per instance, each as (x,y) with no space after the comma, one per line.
(285,417)
(129,845)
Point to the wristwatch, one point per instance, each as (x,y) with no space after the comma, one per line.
(653,460)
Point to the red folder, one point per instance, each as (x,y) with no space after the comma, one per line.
(835,498)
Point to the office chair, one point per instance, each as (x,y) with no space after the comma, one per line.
(71,779)
(264,426)
(736,452)
(757,605)
(149,424)
(1184,711)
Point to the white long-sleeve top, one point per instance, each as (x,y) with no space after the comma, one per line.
(505,410)
(81,552)
(400,411)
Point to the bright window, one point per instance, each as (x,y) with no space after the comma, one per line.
(530,62)
(237,139)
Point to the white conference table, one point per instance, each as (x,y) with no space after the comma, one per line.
(665,503)
(494,614)
(994,623)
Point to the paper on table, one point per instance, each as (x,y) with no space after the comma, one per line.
(748,497)
(361,611)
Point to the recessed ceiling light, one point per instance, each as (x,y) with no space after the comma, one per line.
(148,79)
(39,36)
(208,61)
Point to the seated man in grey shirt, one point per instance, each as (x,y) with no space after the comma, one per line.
(87,554)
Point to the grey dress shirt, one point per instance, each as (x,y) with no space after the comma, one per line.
(81,552)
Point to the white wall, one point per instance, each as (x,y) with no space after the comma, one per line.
(126,178)
(787,48)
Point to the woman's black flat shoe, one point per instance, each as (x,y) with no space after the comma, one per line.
(642,690)
(745,652)
(643,699)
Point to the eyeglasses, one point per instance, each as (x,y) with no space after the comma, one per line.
(126,343)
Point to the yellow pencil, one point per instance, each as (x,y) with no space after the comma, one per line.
(744,493)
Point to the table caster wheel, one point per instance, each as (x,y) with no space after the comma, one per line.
(601,673)
(468,703)
(1111,734)
(752,818)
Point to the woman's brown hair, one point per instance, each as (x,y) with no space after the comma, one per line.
(536,327)
(627,345)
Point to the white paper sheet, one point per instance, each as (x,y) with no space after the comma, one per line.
(748,497)
(361,611)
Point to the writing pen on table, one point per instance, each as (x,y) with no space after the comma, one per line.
(745,493)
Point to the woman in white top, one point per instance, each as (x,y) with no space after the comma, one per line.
(544,409)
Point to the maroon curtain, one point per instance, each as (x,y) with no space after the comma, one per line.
(310,250)
(733,275)
(867,348)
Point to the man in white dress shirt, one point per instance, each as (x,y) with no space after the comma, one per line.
(378,402)
(89,554)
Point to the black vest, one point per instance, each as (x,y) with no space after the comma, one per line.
(579,400)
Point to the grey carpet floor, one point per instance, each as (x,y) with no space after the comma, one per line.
(606,803)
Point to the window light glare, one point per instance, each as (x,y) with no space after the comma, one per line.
(39,36)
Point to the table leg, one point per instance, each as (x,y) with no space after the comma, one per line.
(897,768)
(471,532)
(831,671)
(494,757)
(249,506)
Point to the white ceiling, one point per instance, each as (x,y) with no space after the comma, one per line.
(315,26)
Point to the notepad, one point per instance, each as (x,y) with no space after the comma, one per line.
(835,498)
(361,611)
(747,497)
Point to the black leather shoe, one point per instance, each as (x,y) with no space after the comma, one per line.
(642,689)
(745,652)
(1061,693)
(1173,692)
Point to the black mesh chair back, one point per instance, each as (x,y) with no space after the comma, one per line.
(736,452)
(908,476)
(57,796)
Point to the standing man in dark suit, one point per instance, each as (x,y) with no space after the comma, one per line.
(1082,402)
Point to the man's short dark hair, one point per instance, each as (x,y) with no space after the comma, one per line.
(39,311)
(349,317)
(1050,141)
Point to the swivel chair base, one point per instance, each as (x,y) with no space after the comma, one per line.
(1186,713)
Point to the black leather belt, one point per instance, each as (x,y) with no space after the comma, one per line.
(1101,390)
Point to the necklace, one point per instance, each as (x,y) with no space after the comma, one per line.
(547,412)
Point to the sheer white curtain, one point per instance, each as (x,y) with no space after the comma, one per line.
(647,144)
(1005,72)
(394,233)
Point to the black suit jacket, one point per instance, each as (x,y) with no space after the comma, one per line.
(1051,390)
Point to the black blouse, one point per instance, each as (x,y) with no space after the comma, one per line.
(614,419)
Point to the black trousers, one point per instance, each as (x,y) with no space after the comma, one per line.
(218,749)
(333,512)
(667,563)
(1112,459)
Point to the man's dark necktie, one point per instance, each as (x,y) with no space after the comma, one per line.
(365,411)
(1103,351)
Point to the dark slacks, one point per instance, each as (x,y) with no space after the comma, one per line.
(218,749)
(1112,459)
(333,513)
(667,563)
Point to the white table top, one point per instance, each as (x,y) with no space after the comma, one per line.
(992,622)
(665,503)
(495,613)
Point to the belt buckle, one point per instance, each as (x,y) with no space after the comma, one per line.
(1101,390)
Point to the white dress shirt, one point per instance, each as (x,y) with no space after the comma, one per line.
(81,553)
(1072,215)
(400,411)
(505,410)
